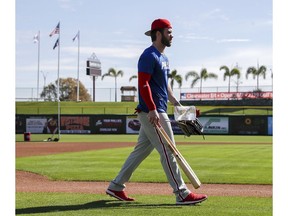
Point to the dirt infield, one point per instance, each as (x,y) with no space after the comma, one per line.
(30,182)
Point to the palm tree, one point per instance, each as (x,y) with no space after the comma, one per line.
(257,72)
(175,77)
(113,73)
(133,77)
(203,76)
(229,74)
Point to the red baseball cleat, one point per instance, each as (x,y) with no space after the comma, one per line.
(192,199)
(120,195)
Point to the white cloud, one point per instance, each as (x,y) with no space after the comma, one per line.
(233,40)
(66,4)
(111,52)
(190,37)
(215,14)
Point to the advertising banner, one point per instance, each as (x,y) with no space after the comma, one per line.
(36,125)
(226,95)
(75,125)
(109,124)
(20,124)
(132,125)
(248,125)
(122,124)
(215,125)
(270,125)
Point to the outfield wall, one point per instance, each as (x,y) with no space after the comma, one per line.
(128,124)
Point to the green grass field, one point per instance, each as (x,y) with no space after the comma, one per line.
(128,108)
(220,161)
(63,204)
(224,162)
(238,164)
(133,138)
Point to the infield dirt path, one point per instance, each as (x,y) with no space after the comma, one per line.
(30,182)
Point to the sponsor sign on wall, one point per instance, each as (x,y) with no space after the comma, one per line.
(75,124)
(36,124)
(122,124)
(132,125)
(109,124)
(248,125)
(215,125)
(226,95)
(20,124)
(270,125)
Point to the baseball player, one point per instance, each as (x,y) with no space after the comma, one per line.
(154,93)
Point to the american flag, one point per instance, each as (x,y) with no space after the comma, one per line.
(56,44)
(56,30)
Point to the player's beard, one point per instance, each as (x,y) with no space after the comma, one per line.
(165,41)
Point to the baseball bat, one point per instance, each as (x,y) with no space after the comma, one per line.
(180,159)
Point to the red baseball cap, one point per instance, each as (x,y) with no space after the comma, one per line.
(159,24)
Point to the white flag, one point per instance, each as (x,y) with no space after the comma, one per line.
(36,38)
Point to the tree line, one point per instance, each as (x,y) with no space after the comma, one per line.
(68,86)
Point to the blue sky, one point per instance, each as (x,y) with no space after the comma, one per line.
(206,33)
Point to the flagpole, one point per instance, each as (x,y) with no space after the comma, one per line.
(38,66)
(58,95)
(78,66)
